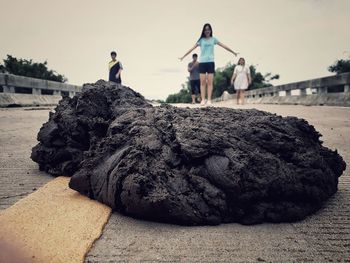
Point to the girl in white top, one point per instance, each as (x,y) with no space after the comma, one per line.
(241,79)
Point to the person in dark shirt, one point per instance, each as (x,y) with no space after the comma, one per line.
(115,69)
(193,68)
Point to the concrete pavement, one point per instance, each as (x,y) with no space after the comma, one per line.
(323,237)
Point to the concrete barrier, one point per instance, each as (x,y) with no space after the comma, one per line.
(23,100)
(332,91)
(25,91)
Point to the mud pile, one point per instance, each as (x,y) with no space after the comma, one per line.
(187,166)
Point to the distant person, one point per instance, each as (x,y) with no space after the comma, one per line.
(115,69)
(241,79)
(193,68)
(206,61)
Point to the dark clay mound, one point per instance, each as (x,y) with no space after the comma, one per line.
(187,166)
(78,123)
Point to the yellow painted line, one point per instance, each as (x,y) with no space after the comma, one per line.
(53,224)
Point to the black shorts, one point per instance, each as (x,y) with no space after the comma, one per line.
(207,67)
(195,86)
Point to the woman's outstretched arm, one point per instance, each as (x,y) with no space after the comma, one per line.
(188,52)
(227,48)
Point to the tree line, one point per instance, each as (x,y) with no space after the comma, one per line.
(222,81)
(28,68)
(222,78)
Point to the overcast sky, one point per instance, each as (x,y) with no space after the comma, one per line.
(297,39)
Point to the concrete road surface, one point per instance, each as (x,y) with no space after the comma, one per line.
(322,237)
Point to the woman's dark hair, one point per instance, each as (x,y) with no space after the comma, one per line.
(113,53)
(211,31)
(240,60)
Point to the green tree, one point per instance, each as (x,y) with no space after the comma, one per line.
(28,68)
(222,80)
(340,66)
(183,96)
(259,80)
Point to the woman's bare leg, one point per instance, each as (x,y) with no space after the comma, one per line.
(203,81)
(242,96)
(238,97)
(210,85)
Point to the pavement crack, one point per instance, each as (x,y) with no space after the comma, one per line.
(10,196)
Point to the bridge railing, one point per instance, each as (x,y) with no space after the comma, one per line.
(18,84)
(332,90)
